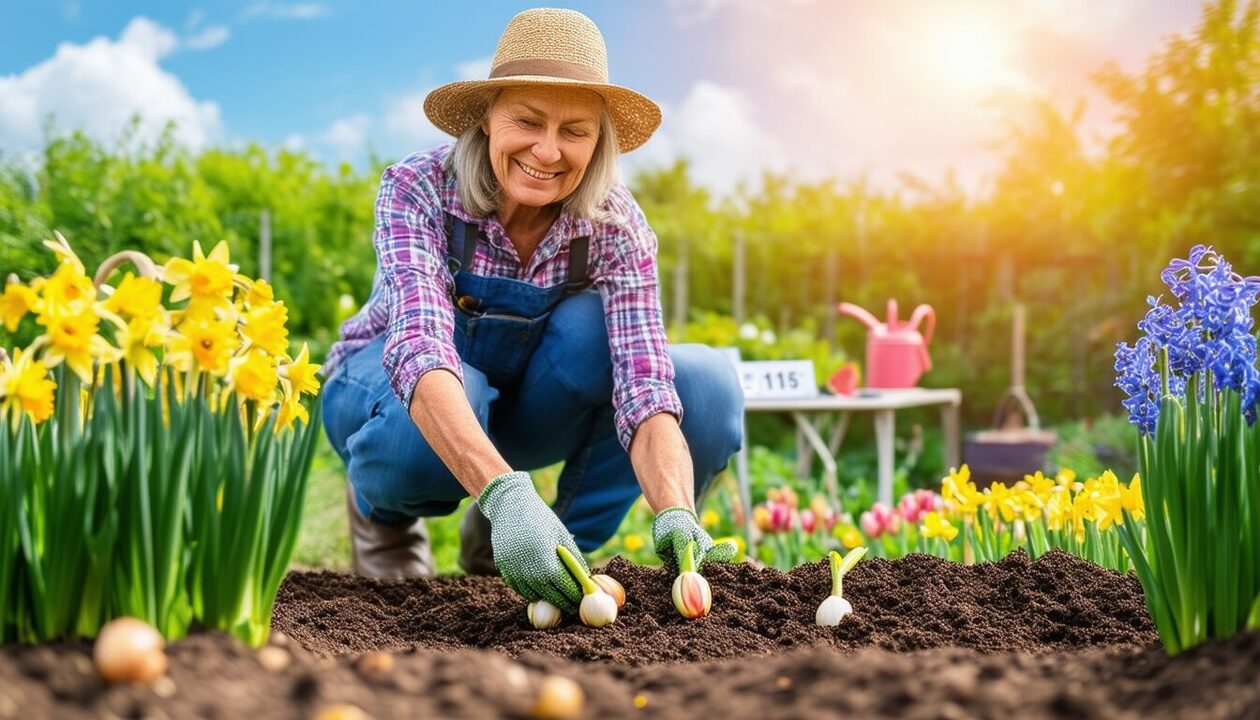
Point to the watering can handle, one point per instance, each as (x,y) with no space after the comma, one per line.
(921,312)
(867,319)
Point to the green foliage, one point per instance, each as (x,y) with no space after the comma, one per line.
(151,507)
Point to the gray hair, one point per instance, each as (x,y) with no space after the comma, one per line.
(478,188)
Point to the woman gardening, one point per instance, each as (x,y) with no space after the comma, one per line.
(514,323)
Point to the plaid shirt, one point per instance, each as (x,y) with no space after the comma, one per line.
(411,292)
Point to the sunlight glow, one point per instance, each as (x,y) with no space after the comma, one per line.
(967,52)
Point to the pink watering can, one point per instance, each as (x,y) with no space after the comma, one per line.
(896,353)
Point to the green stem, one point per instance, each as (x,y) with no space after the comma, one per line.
(839,567)
(575,567)
(687,563)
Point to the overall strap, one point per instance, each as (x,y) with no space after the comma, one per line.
(579,251)
(463,243)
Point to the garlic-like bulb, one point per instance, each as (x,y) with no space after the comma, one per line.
(832,610)
(598,609)
(609,584)
(543,615)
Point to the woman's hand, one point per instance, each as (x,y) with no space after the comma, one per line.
(525,533)
(675,527)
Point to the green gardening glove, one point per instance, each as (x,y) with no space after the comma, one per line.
(675,527)
(524,533)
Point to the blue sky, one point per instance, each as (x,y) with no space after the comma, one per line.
(813,87)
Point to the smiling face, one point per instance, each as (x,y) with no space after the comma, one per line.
(541,142)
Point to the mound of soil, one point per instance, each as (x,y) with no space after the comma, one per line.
(1055,638)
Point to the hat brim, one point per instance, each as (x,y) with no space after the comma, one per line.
(455,107)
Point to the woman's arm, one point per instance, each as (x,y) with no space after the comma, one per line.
(420,357)
(647,408)
(662,463)
(441,411)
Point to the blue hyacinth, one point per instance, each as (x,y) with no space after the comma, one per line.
(1209,328)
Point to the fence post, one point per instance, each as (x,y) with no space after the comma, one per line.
(680,285)
(737,280)
(264,245)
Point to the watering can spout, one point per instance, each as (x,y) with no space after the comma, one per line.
(854,311)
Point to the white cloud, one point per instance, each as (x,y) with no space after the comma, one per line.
(715,128)
(405,124)
(99,86)
(210,37)
(287,11)
(148,38)
(478,69)
(691,12)
(347,136)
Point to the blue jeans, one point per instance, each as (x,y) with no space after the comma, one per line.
(560,409)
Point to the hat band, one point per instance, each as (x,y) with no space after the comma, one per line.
(553,68)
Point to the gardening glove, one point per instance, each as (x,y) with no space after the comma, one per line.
(674,527)
(524,533)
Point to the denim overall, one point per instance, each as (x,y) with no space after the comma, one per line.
(538,376)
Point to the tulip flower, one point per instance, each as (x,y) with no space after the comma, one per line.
(880,520)
(809,521)
(609,584)
(691,593)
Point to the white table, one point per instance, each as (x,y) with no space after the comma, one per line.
(884,404)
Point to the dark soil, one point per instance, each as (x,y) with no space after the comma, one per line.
(1056,638)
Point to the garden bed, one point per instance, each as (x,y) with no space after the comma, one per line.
(1058,637)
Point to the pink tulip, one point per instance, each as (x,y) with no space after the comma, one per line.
(780,516)
(809,521)
(909,507)
(829,520)
(880,519)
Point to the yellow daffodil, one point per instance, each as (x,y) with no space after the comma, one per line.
(137,342)
(1131,498)
(936,526)
(207,341)
(850,538)
(1058,508)
(260,293)
(1001,501)
(291,409)
(1040,485)
(1107,511)
(709,518)
(15,302)
(254,376)
(1084,507)
(26,388)
(1030,505)
(301,374)
(206,280)
(65,256)
(67,292)
(72,338)
(264,328)
(632,542)
(136,297)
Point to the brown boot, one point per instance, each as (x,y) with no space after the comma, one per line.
(388,553)
(476,556)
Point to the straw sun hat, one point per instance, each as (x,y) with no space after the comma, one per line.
(547,47)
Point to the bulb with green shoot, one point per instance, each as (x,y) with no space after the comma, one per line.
(692,596)
(835,607)
(598,608)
